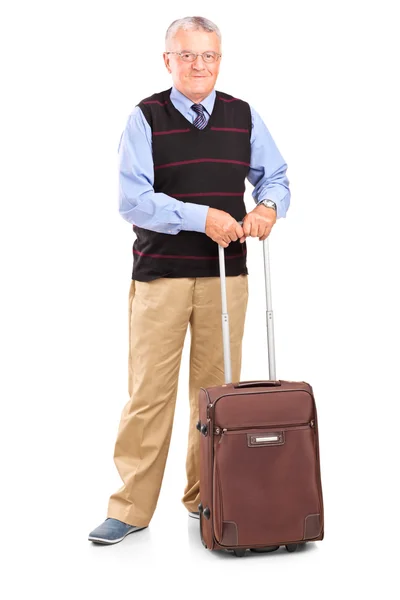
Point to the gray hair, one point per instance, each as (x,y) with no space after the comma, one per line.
(190,24)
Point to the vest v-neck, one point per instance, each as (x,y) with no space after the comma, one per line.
(193,127)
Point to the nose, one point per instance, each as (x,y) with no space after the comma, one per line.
(198,63)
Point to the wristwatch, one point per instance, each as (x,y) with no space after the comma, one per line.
(268,203)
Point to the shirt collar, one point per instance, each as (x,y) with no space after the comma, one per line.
(184,104)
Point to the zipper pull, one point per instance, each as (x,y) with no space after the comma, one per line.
(222,435)
(219,430)
(312,423)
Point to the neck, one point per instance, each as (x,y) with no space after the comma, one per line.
(195,99)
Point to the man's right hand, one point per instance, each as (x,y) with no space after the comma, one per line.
(222,227)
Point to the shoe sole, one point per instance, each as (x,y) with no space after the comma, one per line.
(106,542)
(194,516)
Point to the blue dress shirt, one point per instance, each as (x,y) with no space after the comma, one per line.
(140,205)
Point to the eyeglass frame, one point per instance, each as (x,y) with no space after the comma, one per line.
(198,54)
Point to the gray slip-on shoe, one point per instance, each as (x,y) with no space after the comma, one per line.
(112,531)
(194,515)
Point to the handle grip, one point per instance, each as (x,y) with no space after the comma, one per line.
(253,384)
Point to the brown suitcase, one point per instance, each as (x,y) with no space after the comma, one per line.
(260,482)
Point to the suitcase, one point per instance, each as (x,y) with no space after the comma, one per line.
(260,481)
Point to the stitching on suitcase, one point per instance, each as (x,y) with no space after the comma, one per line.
(318,469)
(274,391)
(221,506)
(215,495)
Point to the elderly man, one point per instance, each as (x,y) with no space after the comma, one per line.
(184,156)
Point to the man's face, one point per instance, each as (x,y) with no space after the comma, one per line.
(195,80)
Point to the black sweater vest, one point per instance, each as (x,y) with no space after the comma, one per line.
(207,167)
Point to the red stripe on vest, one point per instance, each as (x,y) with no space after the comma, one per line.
(188,257)
(229,129)
(228,100)
(201,160)
(155,102)
(170,131)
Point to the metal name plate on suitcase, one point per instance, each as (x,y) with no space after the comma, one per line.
(260,481)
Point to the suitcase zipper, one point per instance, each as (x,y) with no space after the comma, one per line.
(222,431)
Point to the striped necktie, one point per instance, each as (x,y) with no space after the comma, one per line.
(200,121)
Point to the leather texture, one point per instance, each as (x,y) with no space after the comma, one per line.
(260,477)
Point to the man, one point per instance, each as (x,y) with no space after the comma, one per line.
(184,157)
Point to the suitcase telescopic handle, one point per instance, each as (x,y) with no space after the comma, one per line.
(269,317)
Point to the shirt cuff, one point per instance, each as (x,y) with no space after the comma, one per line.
(280,205)
(194,217)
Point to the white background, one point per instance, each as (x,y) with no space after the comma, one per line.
(324,77)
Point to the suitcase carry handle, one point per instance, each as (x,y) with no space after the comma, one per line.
(269,317)
(252,384)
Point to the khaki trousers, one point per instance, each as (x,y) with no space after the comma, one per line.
(159,314)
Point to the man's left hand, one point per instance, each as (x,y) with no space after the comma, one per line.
(258,222)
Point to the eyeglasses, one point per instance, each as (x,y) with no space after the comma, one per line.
(208,57)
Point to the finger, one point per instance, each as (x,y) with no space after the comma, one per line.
(239,231)
(265,234)
(254,229)
(247,227)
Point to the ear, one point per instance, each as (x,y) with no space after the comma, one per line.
(166,61)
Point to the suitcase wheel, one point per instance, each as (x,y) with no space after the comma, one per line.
(239,551)
(291,547)
(266,549)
